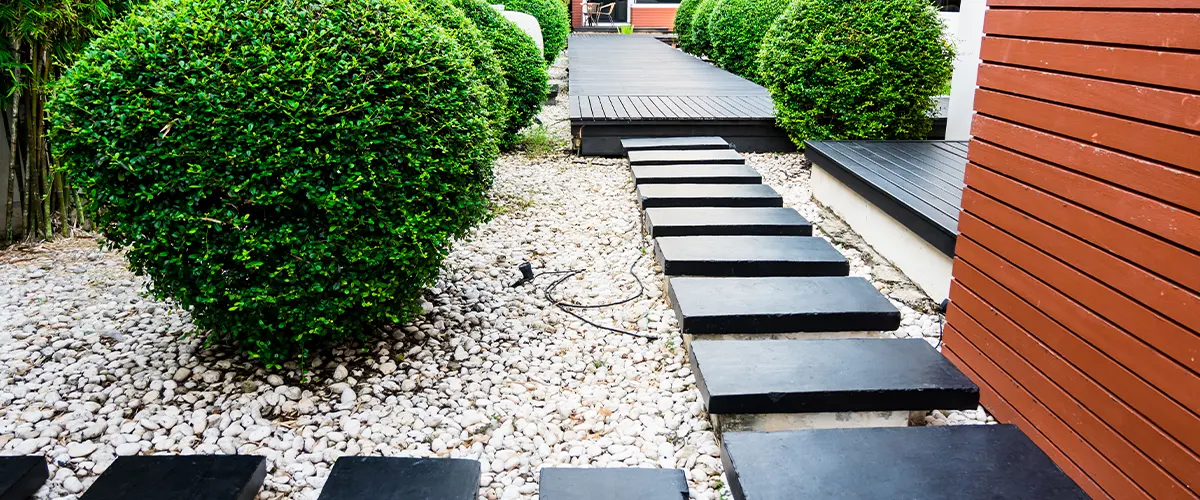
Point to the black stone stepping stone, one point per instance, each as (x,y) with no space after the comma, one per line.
(708,195)
(612,484)
(686,157)
(399,478)
(696,174)
(193,477)
(718,221)
(780,305)
(930,463)
(676,143)
(20,477)
(840,375)
(748,256)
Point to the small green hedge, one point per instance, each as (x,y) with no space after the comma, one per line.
(735,31)
(291,172)
(554,19)
(493,84)
(683,22)
(520,61)
(699,41)
(866,69)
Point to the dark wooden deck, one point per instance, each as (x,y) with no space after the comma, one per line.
(918,183)
(636,86)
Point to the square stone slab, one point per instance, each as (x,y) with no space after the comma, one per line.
(686,157)
(402,478)
(780,305)
(930,463)
(696,174)
(612,484)
(173,477)
(708,195)
(676,143)
(749,256)
(842,375)
(718,221)
(20,477)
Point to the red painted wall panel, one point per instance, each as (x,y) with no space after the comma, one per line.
(1076,294)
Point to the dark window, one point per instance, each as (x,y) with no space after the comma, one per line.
(947,5)
(656,1)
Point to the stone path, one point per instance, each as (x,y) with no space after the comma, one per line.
(806,415)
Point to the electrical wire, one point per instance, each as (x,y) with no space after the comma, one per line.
(567,306)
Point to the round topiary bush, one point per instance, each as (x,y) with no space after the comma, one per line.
(494,100)
(866,69)
(736,30)
(291,172)
(683,22)
(520,62)
(699,42)
(554,19)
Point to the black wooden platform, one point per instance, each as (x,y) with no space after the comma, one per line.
(918,183)
(636,86)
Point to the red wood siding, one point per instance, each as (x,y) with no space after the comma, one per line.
(653,17)
(1076,296)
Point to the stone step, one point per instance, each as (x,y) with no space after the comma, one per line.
(20,477)
(840,375)
(708,195)
(696,174)
(780,305)
(612,484)
(399,478)
(749,256)
(676,143)
(174,477)
(717,221)
(686,157)
(930,463)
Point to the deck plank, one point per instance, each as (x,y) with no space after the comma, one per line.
(920,181)
(627,69)
(863,160)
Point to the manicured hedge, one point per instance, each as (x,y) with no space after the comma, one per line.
(493,84)
(290,172)
(699,41)
(735,31)
(554,18)
(522,64)
(683,22)
(866,69)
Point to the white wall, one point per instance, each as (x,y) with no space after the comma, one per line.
(526,22)
(968,29)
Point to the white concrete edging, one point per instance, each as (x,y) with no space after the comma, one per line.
(924,264)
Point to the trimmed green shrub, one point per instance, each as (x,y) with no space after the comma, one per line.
(736,30)
(683,22)
(520,62)
(699,42)
(866,69)
(291,172)
(554,19)
(494,100)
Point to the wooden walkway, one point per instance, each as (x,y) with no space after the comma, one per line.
(637,86)
(919,183)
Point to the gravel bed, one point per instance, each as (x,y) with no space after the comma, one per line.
(94,369)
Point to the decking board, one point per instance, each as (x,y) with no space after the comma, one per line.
(636,86)
(917,182)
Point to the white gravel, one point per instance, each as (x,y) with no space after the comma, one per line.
(92,369)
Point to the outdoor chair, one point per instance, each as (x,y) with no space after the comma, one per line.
(606,10)
(591,13)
